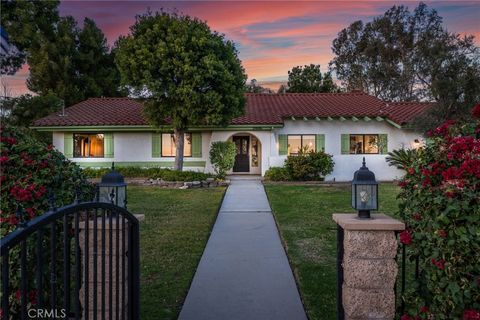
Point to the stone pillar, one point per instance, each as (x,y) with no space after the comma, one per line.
(97,251)
(369,266)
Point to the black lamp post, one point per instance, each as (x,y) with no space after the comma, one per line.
(364,192)
(113,189)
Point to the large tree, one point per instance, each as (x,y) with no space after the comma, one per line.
(72,63)
(75,65)
(53,67)
(407,56)
(27,23)
(98,74)
(190,74)
(309,78)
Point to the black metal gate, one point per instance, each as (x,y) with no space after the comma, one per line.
(80,261)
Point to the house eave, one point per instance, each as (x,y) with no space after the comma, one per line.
(146,128)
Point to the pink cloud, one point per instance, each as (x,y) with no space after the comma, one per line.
(272,36)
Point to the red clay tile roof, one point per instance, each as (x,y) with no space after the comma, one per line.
(260,109)
(404,112)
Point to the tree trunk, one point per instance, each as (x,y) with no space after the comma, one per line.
(179,141)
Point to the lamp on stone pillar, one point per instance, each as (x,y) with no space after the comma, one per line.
(113,189)
(364,191)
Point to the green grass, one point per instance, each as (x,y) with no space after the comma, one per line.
(304,216)
(172,239)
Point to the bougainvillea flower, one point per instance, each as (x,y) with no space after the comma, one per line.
(406,237)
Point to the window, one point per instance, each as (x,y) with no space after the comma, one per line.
(363,143)
(169,145)
(88,145)
(255,155)
(301,141)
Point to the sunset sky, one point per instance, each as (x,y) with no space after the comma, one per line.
(271,36)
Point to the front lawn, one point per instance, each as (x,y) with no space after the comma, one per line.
(304,217)
(172,239)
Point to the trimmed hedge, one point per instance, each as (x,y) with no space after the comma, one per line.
(153,173)
(303,167)
(277,174)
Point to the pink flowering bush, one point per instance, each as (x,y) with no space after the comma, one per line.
(440,202)
(30,171)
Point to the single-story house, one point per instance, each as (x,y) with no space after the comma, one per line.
(349,126)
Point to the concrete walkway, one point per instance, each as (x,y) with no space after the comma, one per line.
(244,272)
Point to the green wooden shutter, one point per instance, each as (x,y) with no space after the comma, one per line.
(197,145)
(345,148)
(156,145)
(68,145)
(320,142)
(383,143)
(282,144)
(108,145)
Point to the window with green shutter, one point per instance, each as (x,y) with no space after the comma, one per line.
(345,147)
(320,141)
(282,144)
(197,145)
(156,145)
(108,145)
(383,143)
(68,145)
(364,144)
(91,145)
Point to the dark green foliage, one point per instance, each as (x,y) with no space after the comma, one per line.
(27,108)
(33,169)
(406,56)
(309,79)
(403,158)
(309,165)
(222,157)
(98,74)
(440,206)
(153,173)
(30,171)
(75,65)
(72,63)
(27,23)
(277,174)
(193,75)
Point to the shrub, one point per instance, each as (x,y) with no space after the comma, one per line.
(440,203)
(30,171)
(309,165)
(277,174)
(403,158)
(222,157)
(154,173)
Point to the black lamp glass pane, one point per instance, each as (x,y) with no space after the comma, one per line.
(366,197)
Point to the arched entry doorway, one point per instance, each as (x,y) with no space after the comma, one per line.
(248,154)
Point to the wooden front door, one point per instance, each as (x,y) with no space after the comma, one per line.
(242,159)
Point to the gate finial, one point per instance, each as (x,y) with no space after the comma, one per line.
(21,217)
(51,201)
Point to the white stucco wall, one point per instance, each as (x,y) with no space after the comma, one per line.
(346,165)
(134,147)
(264,137)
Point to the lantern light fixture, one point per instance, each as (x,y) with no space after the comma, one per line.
(364,191)
(113,189)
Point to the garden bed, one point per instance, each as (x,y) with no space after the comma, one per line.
(143,181)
